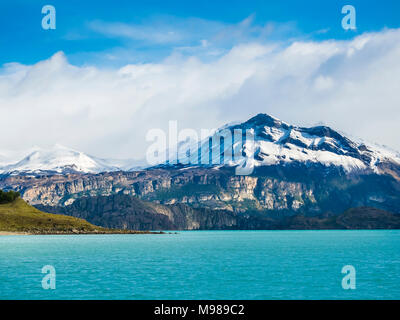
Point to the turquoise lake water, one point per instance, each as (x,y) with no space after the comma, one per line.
(203,265)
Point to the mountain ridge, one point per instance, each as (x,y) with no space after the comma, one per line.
(293,174)
(274,142)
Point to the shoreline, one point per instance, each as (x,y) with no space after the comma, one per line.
(11,233)
(16,233)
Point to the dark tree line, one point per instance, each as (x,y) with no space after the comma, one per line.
(7,197)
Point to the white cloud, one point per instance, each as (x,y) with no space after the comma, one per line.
(189,32)
(353,86)
(153,34)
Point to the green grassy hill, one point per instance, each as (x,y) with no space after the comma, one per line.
(18,216)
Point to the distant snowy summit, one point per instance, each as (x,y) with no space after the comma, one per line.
(273,142)
(62,160)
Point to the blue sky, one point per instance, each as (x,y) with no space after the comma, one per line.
(113,70)
(23,40)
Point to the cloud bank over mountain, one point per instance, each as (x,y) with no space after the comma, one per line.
(350,85)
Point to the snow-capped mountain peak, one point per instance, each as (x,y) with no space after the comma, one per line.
(264,141)
(274,142)
(58,159)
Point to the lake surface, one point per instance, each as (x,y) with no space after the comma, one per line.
(203,265)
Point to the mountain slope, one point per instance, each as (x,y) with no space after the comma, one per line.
(297,170)
(355,218)
(270,141)
(18,216)
(274,142)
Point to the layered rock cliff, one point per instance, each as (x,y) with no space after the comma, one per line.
(288,190)
(129,213)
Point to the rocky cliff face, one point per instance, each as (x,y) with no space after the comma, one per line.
(129,213)
(285,189)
